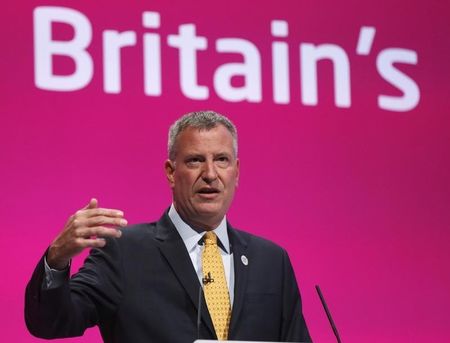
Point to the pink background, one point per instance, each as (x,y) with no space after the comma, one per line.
(360,197)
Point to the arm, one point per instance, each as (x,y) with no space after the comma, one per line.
(74,305)
(294,327)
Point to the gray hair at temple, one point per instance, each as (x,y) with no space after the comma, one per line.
(203,120)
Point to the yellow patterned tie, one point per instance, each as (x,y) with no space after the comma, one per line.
(215,286)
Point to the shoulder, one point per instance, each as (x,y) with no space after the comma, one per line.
(256,243)
(263,256)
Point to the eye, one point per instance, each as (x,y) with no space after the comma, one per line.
(223,161)
(193,161)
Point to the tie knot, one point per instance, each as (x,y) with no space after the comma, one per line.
(210,238)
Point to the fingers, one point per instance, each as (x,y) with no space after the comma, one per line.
(92,209)
(97,231)
(80,221)
(93,243)
(99,215)
(102,220)
(91,222)
(107,212)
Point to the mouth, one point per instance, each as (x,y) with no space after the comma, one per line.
(208,192)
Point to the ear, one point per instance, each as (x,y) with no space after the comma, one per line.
(169,167)
(237,172)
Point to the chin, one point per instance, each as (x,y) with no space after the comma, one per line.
(209,210)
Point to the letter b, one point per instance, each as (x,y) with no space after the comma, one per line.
(45,48)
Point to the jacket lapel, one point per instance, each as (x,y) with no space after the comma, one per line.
(239,248)
(174,250)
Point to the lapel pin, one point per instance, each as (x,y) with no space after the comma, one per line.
(244,260)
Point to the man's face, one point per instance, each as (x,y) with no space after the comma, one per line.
(203,176)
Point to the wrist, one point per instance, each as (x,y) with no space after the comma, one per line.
(54,262)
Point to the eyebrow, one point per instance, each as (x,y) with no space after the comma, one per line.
(222,153)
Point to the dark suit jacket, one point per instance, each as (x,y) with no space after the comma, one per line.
(143,288)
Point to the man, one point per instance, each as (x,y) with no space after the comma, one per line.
(190,275)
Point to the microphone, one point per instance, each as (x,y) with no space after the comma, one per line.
(327,311)
(207,279)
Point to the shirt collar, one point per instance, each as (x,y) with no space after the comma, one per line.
(191,237)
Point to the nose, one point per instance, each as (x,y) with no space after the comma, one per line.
(209,172)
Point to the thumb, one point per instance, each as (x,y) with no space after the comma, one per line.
(93,203)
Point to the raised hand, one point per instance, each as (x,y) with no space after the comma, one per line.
(87,228)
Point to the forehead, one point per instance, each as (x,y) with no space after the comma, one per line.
(217,139)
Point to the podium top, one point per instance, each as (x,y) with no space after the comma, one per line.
(211,341)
